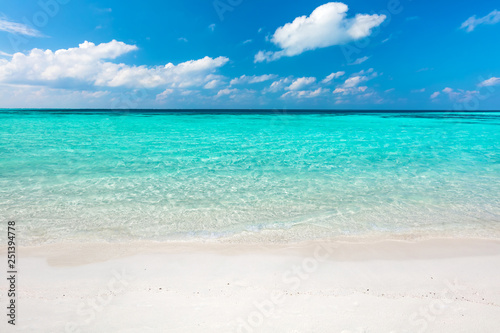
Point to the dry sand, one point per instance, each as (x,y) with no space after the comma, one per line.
(440,285)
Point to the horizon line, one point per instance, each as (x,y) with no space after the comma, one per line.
(247,109)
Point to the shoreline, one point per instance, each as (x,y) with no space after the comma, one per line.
(358,249)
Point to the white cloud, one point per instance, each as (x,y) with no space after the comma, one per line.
(350,90)
(460,95)
(490,82)
(301,82)
(164,95)
(212,26)
(360,60)
(332,76)
(435,95)
(305,93)
(352,84)
(86,65)
(290,84)
(234,95)
(472,22)
(354,81)
(18,28)
(212,84)
(278,85)
(252,79)
(326,26)
(226,91)
(247,41)
(182,39)
(267,56)
(418,91)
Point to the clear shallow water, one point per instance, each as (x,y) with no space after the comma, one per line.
(74,176)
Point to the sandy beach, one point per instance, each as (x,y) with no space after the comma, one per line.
(440,285)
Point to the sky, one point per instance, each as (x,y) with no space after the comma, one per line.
(257,54)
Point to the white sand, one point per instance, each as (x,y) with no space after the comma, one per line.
(431,286)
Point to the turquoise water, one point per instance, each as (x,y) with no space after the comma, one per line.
(277,176)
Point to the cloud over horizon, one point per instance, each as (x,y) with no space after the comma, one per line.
(87,65)
(327,25)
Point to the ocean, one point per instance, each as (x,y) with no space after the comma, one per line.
(257,176)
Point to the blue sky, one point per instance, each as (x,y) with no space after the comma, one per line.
(250,54)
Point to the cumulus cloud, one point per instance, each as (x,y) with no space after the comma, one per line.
(290,84)
(301,83)
(458,95)
(333,76)
(18,28)
(472,22)
(352,85)
(226,91)
(305,93)
(490,82)
(350,90)
(252,79)
(327,25)
(87,64)
(262,56)
(164,95)
(235,95)
(354,81)
(278,85)
(213,84)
